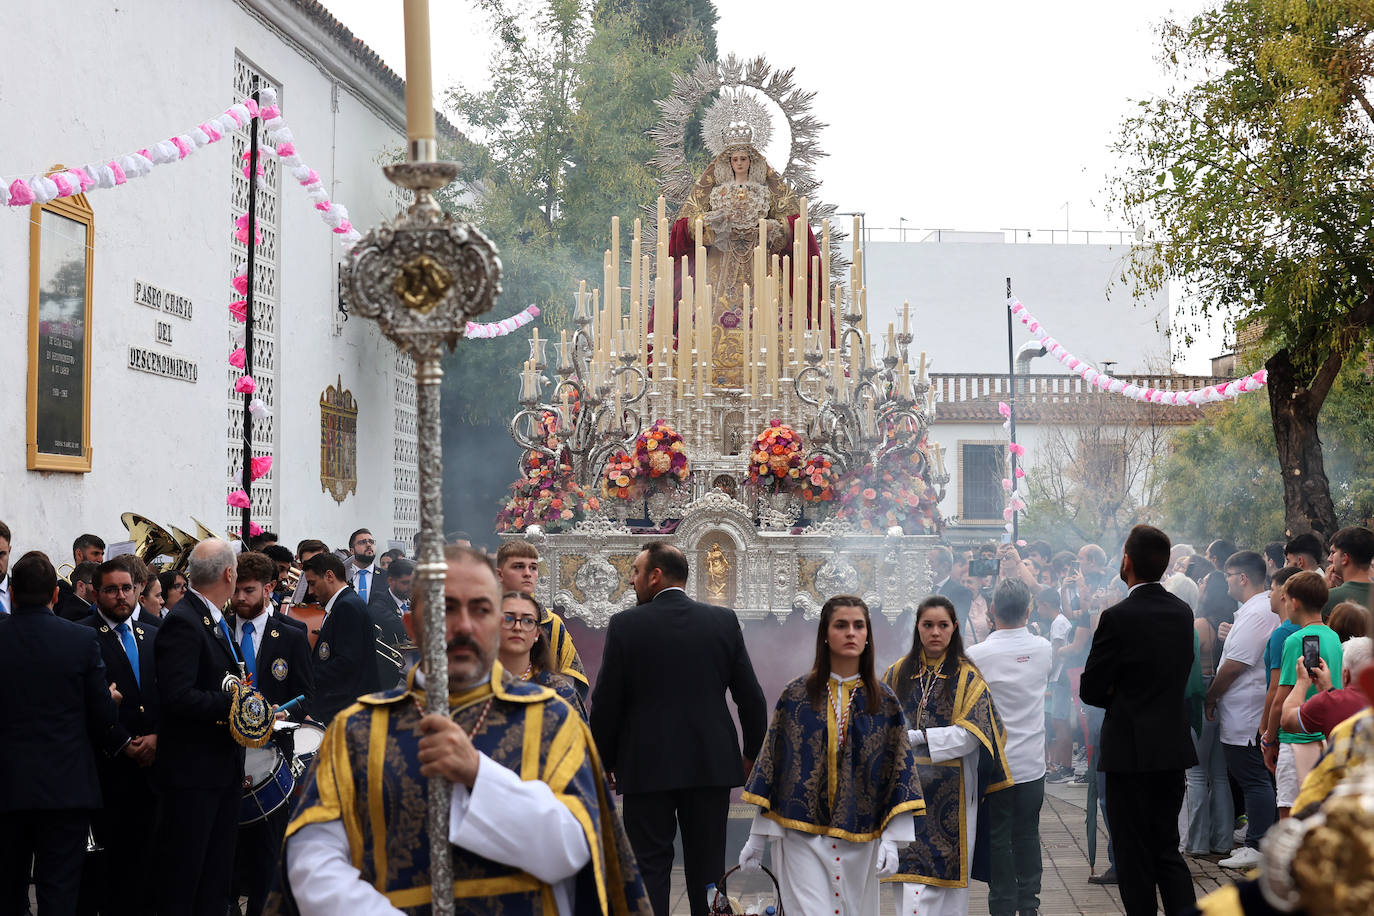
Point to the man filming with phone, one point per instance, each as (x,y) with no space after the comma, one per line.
(1290,755)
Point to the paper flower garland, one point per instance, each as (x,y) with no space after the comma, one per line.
(1211,394)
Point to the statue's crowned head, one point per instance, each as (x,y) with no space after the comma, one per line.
(739,137)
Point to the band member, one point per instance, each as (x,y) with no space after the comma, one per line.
(525,650)
(199,767)
(960,748)
(388,604)
(517,563)
(532,823)
(835,782)
(284,560)
(277,660)
(345,656)
(48,751)
(364,574)
(124,827)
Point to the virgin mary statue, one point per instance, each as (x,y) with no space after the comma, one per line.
(735,191)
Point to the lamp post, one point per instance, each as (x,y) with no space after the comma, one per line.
(422,276)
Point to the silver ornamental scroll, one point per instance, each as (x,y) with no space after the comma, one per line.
(422,277)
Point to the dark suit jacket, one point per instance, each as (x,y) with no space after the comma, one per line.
(386,615)
(138,710)
(283,670)
(960,597)
(194,747)
(345,656)
(279,617)
(70,607)
(375,580)
(56,714)
(1138,670)
(658,710)
(145,619)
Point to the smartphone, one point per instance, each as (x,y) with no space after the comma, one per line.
(980,567)
(1311,652)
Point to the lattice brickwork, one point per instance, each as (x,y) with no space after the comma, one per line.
(405,468)
(266,300)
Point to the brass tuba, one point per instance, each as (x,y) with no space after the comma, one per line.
(185,543)
(150,539)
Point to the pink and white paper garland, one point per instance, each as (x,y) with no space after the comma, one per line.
(1012,487)
(1191,398)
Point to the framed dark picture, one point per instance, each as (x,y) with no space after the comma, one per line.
(59,396)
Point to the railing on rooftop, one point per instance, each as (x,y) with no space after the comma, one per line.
(1009,236)
(1043,390)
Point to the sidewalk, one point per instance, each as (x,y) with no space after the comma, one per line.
(1065,889)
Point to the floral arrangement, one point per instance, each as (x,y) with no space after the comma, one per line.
(876,499)
(618,480)
(660,455)
(776,457)
(547,494)
(818,479)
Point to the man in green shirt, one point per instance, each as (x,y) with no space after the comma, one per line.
(1352,549)
(1288,754)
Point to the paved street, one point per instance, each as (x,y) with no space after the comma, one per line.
(1065,890)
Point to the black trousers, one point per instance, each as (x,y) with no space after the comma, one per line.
(123,830)
(651,821)
(1142,811)
(53,844)
(196,832)
(1015,864)
(258,858)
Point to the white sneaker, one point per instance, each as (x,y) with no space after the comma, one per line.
(1239,835)
(1244,857)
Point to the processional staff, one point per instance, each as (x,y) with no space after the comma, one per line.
(422,276)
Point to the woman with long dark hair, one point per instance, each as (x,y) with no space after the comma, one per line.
(959,744)
(525,651)
(834,782)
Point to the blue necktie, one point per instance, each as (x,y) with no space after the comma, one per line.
(362,584)
(228,637)
(250,658)
(130,649)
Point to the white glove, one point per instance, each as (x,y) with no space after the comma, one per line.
(751,856)
(887,858)
(918,738)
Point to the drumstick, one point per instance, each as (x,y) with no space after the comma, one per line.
(286,707)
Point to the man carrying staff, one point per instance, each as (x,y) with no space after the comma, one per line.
(531,822)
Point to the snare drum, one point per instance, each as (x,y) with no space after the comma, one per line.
(267,781)
(308,739)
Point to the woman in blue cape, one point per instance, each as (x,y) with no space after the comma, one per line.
(835,783)
(960,748)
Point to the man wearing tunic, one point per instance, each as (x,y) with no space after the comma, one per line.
(531,823)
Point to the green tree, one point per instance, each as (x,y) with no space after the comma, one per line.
(1222,478)
(1254,175)
(666,23)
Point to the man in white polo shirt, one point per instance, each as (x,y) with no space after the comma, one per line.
(1236,698)
(1016,666)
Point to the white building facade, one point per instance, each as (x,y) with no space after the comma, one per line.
(165,426)
(955,283)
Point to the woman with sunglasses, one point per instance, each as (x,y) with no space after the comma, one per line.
(960,748)
(525,652)
(834,782)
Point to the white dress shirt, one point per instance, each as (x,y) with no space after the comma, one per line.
(6,603)
(491,820)
(1016,666)
(1239,709)
(371,571)
(259,623)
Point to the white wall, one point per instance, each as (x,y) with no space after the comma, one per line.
(957,292)
(99,81)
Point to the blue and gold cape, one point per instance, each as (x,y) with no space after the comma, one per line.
(565,687)
(940,856)
(367,776)
(565,658)
(806,780)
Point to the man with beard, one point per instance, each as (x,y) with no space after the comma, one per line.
(364,574)
(276,658)
(515,757)
(344,661)
(124,827)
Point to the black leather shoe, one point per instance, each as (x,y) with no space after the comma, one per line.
(1107,877)
(1027,913)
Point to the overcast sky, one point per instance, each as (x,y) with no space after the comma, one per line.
(976,115)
